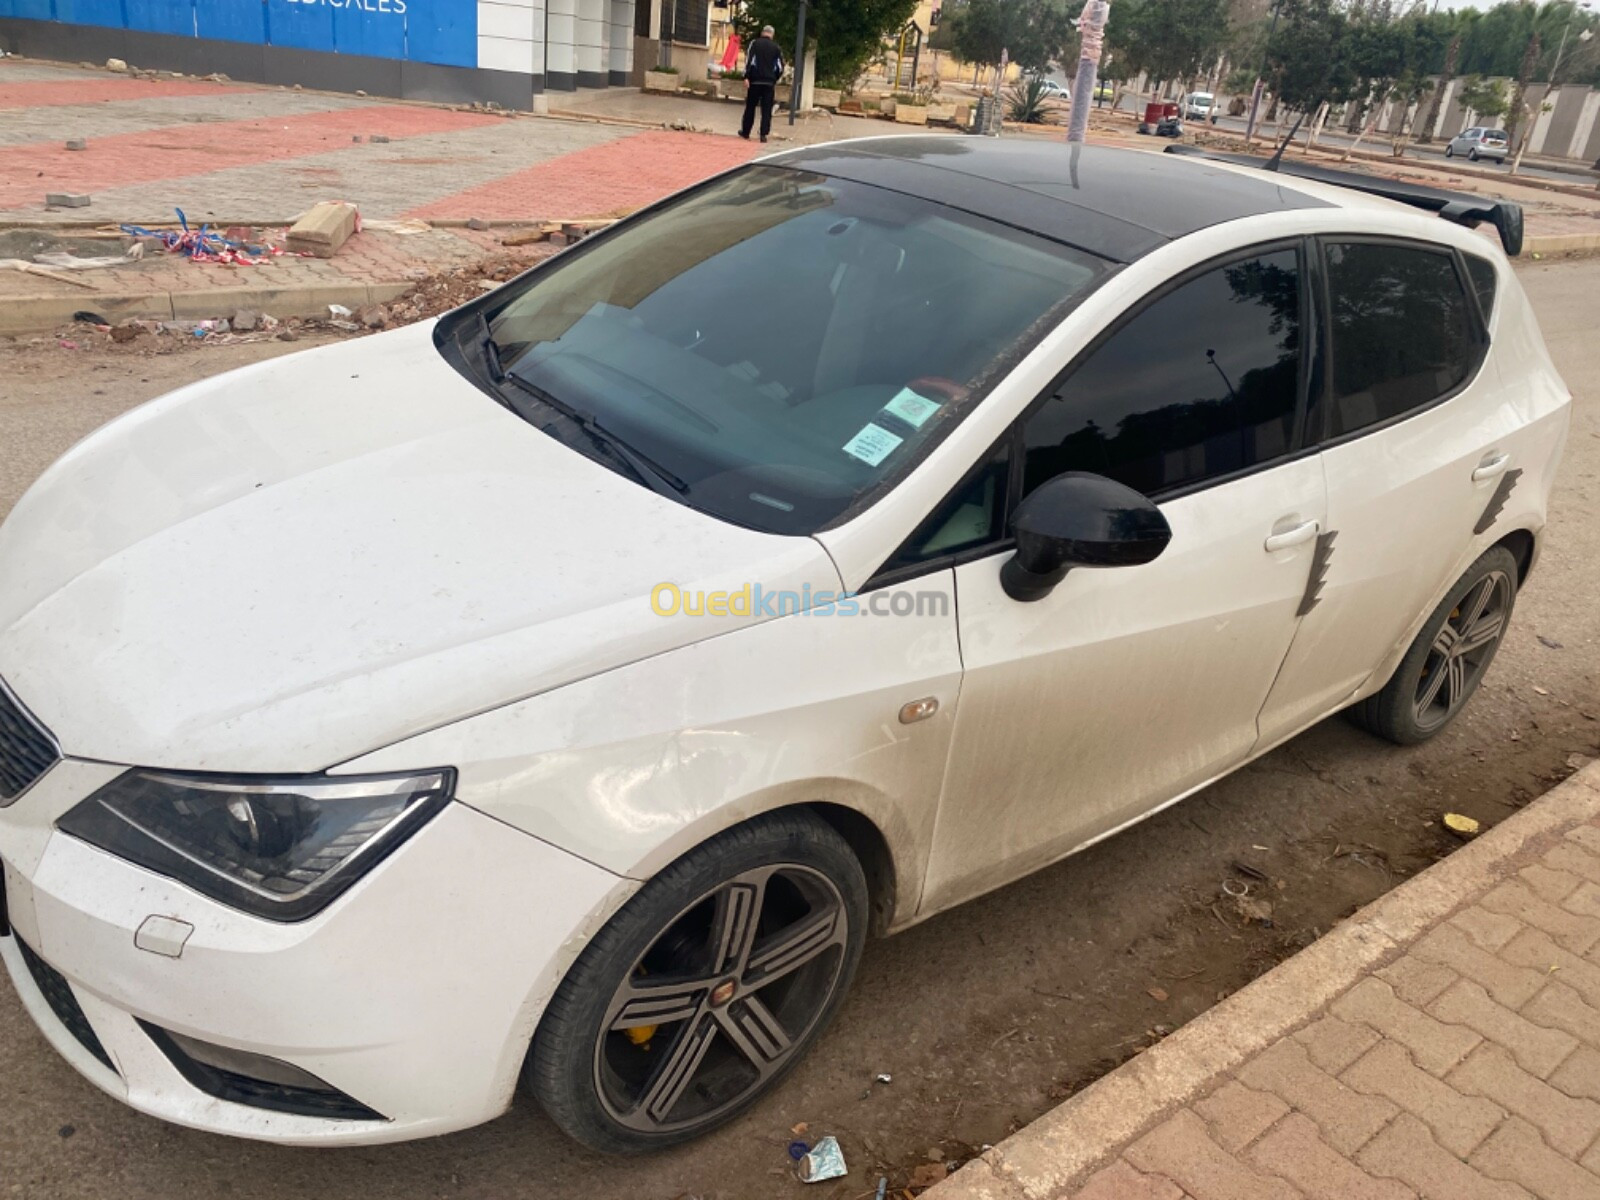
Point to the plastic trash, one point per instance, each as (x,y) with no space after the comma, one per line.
(1461,826)
(797,1150)
(825,1161)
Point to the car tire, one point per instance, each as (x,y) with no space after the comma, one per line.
(1449,151)
(1406,711)
(589,1066)
(1472,156)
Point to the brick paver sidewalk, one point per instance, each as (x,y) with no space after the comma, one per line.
(1444,1043)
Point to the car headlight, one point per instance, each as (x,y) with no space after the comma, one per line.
(278,848)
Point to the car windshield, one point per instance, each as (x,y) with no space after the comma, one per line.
(780,344)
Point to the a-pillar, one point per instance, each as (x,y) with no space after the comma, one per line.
(593,34)
(621,64)
(561,41)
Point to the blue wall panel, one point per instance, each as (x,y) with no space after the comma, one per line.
(93,12)
(229,20)
(431,31)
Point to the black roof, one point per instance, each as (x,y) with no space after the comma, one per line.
(1118,204)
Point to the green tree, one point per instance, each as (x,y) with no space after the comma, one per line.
(1486,98)
(1308,58)
(847,34)
(1167,39)
(1033,33)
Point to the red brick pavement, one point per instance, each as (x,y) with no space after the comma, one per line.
(600,181)
(50,92)
(28,171)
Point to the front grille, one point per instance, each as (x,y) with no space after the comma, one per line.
(26,750)
(58,995)
(321,1100)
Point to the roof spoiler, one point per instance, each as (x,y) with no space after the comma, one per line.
(1459,207)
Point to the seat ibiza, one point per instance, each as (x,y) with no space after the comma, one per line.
(563,691)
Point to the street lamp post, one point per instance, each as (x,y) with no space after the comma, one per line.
(1555,71)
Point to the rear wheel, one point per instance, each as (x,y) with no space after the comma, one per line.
(706,988)
(1449,657)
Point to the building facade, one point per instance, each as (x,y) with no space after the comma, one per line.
(505,51)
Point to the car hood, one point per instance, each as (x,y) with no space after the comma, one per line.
(295,563)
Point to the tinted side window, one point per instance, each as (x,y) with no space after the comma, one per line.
(1202,382)
(1400,334)
(1483,282)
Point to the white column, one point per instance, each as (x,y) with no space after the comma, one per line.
(561,40)
(506,32)
(620,65)
(538,62)
(593,17)
(1585,127)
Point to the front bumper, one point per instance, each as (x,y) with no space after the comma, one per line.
(416,993)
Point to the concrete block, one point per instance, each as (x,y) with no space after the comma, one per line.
(323,229)
(77,144)
(66,200)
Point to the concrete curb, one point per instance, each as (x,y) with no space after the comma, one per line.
(35,314)
(1048,1158)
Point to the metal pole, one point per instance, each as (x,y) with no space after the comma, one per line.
(1091,36)
(1255,94)
(799,60)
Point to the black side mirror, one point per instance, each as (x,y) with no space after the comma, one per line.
(1080,520)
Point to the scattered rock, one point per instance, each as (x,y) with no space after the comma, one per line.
(116,64)
(359,92)
(928,1174)
(372,316)
(1158,994)
(126,333)
(355,137)
(288,334)
(77,144)
(477,223)
(66,200)
(381,139)
(1462,827)
(246,320)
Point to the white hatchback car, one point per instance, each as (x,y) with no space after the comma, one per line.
(562,691)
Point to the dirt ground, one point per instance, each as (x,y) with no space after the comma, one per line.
(983,1018)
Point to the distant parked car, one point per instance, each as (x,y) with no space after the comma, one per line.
(1105,90)
(1054,90)
(1479,143)
(1199,106)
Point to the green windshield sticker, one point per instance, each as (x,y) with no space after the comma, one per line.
(911,408)
(872,445)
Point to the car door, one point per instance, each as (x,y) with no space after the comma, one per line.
(1419,433)
(1124,688)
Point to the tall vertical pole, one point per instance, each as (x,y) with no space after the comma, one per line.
(1091,41)
(799,60)
(1255,94)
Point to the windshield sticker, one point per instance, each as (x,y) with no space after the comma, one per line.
(872,445)
(911,408)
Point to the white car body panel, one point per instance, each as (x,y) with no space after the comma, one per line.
(405,589)
(1186,646)
(246,576)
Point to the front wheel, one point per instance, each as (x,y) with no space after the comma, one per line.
(705,989)
(1472,156)
(1448,658)
(1449,151)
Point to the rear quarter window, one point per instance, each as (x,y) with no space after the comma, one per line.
(1484,279)
(1400,332)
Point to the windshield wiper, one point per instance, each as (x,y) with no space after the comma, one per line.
(649,473)
(491,351)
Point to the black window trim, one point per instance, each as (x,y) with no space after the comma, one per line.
(1478,333)
(1313,324)
(1484,317)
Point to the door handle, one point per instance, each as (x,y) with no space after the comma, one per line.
(1490,466)
(1297,536)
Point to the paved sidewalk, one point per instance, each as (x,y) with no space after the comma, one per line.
(1444,1043)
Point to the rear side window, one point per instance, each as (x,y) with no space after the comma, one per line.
(1401,338)
(1199,384)
(1483,282)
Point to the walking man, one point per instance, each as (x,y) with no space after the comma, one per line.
(762,70)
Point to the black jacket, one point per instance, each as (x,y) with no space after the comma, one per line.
(764,63)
